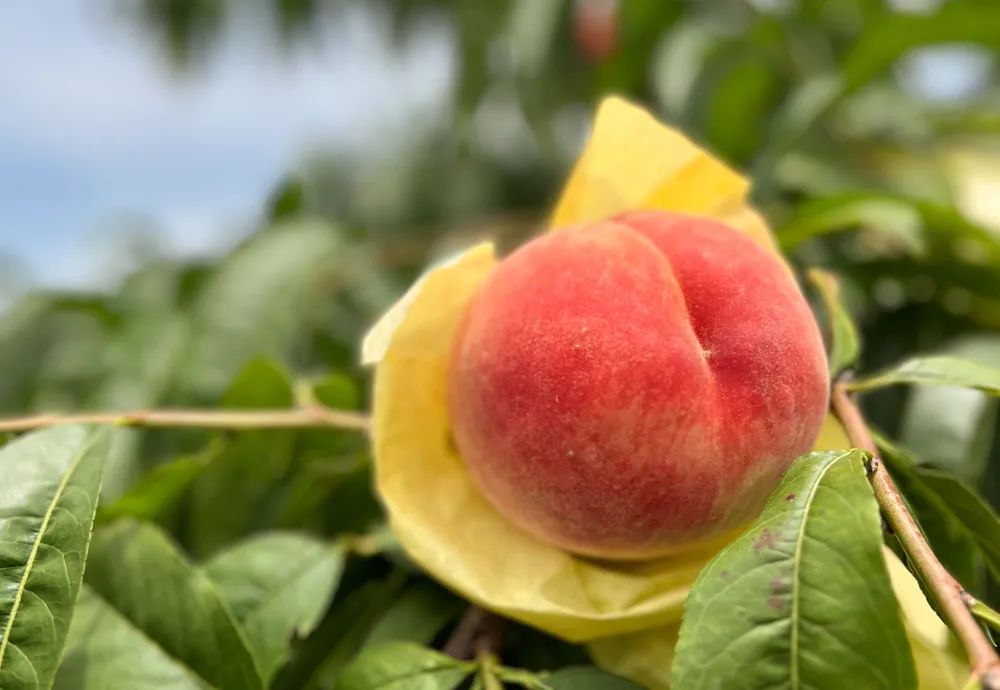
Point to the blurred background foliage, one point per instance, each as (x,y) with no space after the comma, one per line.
(871,130)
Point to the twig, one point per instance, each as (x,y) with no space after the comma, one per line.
(950,596)
(479,632)
(304,417)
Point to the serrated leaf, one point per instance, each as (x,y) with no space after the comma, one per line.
(803,598)
(402,666)
(844,342)
(941,370)
(48,496)
(587,678)
(278,586)
(140,574)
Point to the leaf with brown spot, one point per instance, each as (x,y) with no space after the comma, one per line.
(803,598)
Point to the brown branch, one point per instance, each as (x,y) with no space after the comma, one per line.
(304,417)
(478,632)
(950,596)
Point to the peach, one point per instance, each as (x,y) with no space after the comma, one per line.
(630,388)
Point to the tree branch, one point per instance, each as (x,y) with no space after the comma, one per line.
(478,632)
(949,594)
(303,417)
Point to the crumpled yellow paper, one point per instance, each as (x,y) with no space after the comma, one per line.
(438,515)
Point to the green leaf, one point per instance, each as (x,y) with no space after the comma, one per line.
(893,34)
(940,370)
(587,678)
(162,488)
(140,365)
(402,666)
(322,658)
(896,215)
(417,615)
(48,496)
(107,651)
(337,390)
(247,475)
(803,598)
(844,341)
(278,586)
(971,511)
(954,517)
(952,426)
(136,571)
(986,615)
(887,36)
(255,302)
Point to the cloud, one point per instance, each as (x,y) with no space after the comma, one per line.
(94,124)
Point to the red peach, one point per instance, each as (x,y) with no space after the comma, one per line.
(630,388)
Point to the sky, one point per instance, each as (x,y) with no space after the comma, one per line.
(97,131)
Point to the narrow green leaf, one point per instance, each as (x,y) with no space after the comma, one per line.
(987,615)
(48,496)
(402,666)
(971,511)
(949,511)
(939,370)
(587,678)
(844,341)
(162,488)
(278,585)
(888,37)
(803,598)
(140,574)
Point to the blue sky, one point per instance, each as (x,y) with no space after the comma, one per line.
(95,128)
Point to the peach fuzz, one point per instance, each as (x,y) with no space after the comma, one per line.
(633,387)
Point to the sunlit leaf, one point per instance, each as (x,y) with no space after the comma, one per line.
(935,371)
(803,598)
(954,427)
(48,495)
